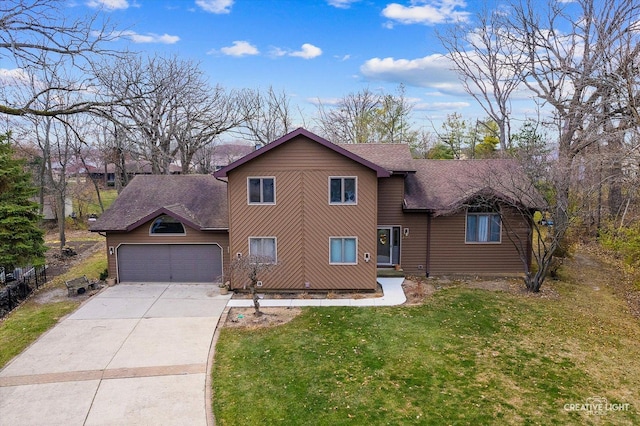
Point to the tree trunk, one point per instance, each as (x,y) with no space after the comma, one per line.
(255,298)
(95,184)
(61,219)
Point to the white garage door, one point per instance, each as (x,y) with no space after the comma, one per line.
(187,263)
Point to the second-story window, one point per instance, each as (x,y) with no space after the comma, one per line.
(343,190)
(261,190)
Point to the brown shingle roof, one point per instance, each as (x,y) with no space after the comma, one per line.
(395,157)
(443,186)
(199,201)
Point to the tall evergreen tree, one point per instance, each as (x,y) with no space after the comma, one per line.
(21,239)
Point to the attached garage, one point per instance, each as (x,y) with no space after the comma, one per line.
(177,263)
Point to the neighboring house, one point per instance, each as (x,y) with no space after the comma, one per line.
(329,216)
(107,173)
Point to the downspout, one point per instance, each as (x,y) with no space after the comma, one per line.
(225,278)
(428,260)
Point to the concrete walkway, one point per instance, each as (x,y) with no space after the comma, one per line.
(133,354)
(393,294)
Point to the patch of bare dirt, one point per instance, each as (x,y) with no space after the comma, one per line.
(271,317)
(314,295)
(417,290)
(57,263)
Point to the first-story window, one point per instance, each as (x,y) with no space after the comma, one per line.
(261,190)
(343,251)
(343,190)
(263,249)
(483,227)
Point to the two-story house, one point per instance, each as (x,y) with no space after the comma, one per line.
(327,216)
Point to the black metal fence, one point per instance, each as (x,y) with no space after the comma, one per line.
(26,280)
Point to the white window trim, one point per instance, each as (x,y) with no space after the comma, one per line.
(261,191)
(480,214)
(159,234)
(343,238)
(355,178)
(275,242)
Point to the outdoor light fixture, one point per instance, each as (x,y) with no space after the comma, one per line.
(111,251)
(406,232)
(367,257)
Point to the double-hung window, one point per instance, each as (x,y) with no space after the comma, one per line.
(343,190)
(343,250)
(261,190)
(483,227)
(263,249)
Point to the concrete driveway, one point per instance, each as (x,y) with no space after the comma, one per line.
(133,354)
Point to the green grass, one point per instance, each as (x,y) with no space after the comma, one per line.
(27,323)
(464,357)
(92,206)
(91,267)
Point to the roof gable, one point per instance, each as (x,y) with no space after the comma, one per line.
(445,186)
(380,171)
(177,212)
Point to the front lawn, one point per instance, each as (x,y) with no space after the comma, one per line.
(27,322)
(466,356)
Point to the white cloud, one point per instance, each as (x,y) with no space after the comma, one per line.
(277,52)
(324,101)
(440,106)
(341,4)
(144,38)
(108,4)
(240,48)
(215,6)
(433,71)
(308,51)
(13,77)
(426,12)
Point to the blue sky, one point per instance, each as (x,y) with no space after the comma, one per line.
(312,49)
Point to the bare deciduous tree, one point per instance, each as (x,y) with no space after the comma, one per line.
(577,59)
(39,40)
(268,116)
(171,109)
(567,52)
(349,121)
(250,268)
(521,202)
(368,117)
(482,57)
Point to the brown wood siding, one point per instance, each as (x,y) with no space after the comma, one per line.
(413,257)
(302,219)
(140,235)
(413,247)
(390,198)
(451,255)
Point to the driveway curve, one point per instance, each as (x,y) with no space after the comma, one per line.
(132,354)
